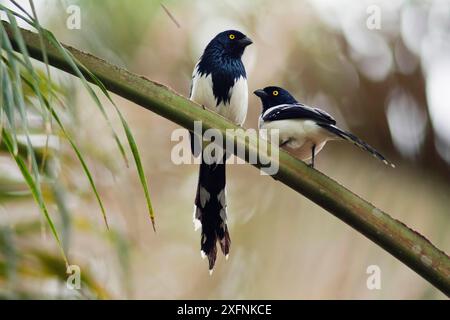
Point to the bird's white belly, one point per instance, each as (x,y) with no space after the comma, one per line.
(235,110)
(299,136)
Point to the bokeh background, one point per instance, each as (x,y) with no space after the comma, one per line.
(390,86)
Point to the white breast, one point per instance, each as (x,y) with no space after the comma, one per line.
(298,135)
(235,110)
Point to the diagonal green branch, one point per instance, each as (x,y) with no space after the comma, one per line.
(392,235)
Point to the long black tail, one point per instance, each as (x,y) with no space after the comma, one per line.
(356,141)
(211,211)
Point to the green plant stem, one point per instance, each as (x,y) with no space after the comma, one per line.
(395,237)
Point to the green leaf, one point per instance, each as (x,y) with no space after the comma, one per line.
(80,71)
(131,142)
(45,58)
(71,61)
(35,88)
(140,169)
(17,88)
(77,152)
(128,133)
(35,191)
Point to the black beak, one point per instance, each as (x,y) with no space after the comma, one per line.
(245,42)
(260,93)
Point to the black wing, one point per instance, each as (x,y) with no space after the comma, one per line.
(297,111)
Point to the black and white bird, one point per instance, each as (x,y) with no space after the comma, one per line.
(219,83)
(303,130)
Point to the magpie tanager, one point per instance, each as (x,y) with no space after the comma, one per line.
(303,130)
(219,83)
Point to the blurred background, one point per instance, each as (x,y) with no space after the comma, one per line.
(386,80)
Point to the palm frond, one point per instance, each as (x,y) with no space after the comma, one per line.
(18,75)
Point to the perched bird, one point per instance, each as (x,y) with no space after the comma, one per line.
(303,130)
(219,83)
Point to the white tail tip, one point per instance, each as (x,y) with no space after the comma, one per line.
(197,224)
(389,164)
(211,272)
(227,256)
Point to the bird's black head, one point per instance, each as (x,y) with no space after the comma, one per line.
(230,42)
(274,96)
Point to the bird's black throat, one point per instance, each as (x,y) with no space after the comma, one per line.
(225,69)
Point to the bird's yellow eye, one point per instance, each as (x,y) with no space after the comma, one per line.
(275,93)
(232,36)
